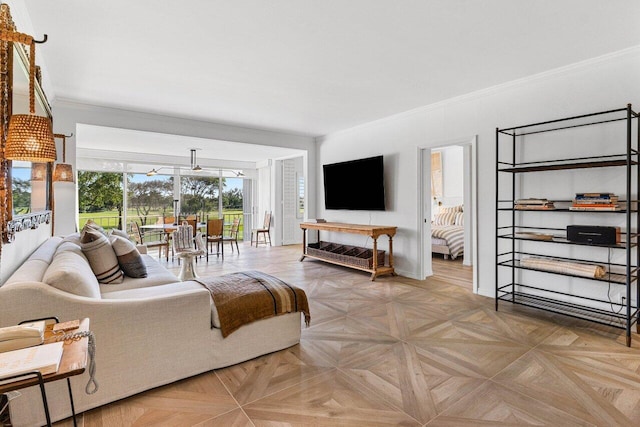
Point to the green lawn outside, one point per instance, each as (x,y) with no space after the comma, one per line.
(109,219)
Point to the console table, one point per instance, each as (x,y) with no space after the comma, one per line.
(373,231)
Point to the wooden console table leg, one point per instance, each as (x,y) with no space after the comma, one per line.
(375,259)
(304,244)
(393,273)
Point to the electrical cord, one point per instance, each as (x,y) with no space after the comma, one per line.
(92,384)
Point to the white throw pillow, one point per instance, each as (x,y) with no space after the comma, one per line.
(70,272)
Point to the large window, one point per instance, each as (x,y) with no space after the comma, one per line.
(100,198)
(149,197)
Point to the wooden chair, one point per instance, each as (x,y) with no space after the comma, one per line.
(233,235)
(160,243)
(266,225)
(214,235)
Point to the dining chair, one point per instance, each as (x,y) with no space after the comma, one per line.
(266,225)
(214,235)
(159,240)
(233,235)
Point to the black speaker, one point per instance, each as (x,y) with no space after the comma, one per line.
(593,234)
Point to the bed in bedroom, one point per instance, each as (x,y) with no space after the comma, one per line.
(447,232)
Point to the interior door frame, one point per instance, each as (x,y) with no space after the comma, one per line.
(424,209)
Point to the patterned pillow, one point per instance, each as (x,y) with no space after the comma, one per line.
(128,257)
(449,209)
(459,219)
(444,218)
(102,259)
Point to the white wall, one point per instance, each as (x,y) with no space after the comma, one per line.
(452,176)
(68,114)
(600,84)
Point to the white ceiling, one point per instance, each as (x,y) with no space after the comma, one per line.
(164,149)
(312,67)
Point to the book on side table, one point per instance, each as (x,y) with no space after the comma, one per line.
(44,358)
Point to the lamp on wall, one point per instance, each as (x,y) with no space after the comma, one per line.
(38,171)
(63,171)
(29,137)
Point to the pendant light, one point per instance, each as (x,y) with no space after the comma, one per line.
(194,164)
(63,171)
(29,137)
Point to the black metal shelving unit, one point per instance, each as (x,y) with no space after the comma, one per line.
(513,231)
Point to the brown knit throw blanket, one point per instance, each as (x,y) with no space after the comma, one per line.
(245,297)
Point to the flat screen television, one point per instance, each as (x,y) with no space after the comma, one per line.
(355,185)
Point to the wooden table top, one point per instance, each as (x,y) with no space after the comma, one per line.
(368,230)
(73,362)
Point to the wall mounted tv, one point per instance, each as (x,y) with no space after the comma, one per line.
(355,185)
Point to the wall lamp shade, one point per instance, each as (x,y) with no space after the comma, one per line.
(30,138)
(63,171)
(38,171)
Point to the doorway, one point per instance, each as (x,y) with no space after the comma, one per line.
(464,199)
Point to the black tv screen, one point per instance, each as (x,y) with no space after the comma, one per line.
(355,185)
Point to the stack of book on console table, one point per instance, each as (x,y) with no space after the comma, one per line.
(595,202)
(534,204)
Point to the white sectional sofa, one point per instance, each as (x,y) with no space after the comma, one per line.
(149,332)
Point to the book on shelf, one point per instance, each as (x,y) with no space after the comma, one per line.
(44,358)
(534,204)
(595,198)
(596,208)
(533,236)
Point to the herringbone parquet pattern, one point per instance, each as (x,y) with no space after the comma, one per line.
(403,352)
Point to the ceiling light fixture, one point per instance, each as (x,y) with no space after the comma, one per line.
(154,171)
(194,164)
(29,137)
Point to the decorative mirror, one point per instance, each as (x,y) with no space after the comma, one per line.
(25,188)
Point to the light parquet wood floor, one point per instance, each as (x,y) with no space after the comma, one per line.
(402,352)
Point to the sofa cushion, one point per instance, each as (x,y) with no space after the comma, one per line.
(102,258)
(70,272)
(128,257)
(46,250)
(156,275)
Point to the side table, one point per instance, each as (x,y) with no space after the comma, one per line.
(73,362)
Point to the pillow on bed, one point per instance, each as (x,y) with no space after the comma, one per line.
(449,209)
(444,218)
(459,219)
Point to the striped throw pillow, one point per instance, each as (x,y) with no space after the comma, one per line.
(444,218)
(448,209)
(128,256)
(459,219)
(101,257)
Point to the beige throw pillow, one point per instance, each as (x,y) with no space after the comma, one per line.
(102,259)
(70,272)
(128,257)
(117,232)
